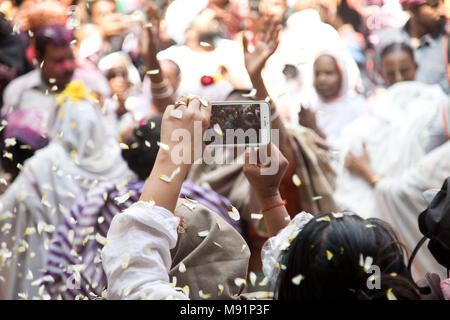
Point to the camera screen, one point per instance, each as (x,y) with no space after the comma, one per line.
(234,124)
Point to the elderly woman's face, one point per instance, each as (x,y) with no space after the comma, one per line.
(327,78)
(398,66)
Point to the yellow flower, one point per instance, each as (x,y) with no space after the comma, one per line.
(75,90)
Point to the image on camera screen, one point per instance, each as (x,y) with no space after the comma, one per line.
(234,124)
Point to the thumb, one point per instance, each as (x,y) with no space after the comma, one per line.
(244,42)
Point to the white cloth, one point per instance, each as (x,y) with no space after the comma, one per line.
(78,156)
(29,91)
(396,135)
(270,252)
(194,65)
(304,37)
(400,201)
(180,14)
(333,116)
(136,258)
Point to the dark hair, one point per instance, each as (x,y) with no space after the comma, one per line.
(397,46)
(143,147)
(328,254)
(56,35)
(349,15)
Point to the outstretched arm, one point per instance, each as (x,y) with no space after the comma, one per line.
(265,45)
(266,185)
(162,93)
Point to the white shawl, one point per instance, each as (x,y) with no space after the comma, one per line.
(79,156)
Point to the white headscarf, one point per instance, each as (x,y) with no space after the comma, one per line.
(116,58)
(179,16)
(332,116)
(79,156)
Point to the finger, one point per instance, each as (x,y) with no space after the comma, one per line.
(182,101)
(205,107)
(194,105)
(245,43)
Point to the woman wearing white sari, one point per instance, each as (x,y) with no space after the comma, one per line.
(79,156)
(336,103)
(405,122)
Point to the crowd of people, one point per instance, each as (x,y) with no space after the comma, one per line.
(93,205)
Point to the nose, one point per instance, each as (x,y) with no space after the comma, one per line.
(398,77)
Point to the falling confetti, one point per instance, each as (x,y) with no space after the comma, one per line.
(124,146)
(218,129)
(221,288)
(121,199)
(162,145)
(169,179)
(203,295)
(326,218)
(234,214)
(252,277)
(203,234)
(390,295)
(182,267)
(239,282)
(338,215)
(297,279)
(152,72)
(251,94)
(329,255)
(203,101)
(296,180)
(317,198)
(256,216)
(10,142)
(205,44)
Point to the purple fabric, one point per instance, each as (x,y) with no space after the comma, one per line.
(24,125)
(63,254)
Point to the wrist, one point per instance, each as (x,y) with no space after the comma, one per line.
(268,198)
(164,160)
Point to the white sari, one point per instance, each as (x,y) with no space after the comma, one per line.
(79,156)
(396,132)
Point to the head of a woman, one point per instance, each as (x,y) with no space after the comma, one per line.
(328,77)
(143,147)
(342,256)
(397,63)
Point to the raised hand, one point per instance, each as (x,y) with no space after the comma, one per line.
(152,26)
(266,43)
(265,185)
(358,164)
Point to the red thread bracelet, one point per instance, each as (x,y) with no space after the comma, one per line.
(274,205)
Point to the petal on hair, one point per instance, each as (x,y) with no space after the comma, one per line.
(390,295)
(329,255)
(297,279)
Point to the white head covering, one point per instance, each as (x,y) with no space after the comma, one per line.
(179,16)
(79,155)
(113,59)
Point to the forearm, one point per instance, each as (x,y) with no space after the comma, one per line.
(162,94)
(136,258)
(275,218)
(165,194)
(285,141)
(370,176)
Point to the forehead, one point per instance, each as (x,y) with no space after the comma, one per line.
(103,6)
(274,2)
(325,61)
(396,57)
(53,52)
